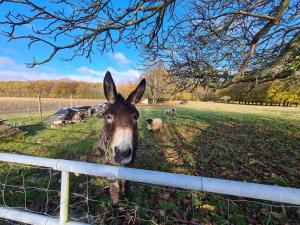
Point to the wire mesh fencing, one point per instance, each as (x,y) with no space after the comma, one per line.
(14,108)
(37,189)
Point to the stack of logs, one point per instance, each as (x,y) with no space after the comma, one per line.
(76,114)
(7,130)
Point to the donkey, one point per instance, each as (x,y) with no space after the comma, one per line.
(118,139)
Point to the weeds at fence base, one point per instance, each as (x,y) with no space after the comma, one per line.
(38,190)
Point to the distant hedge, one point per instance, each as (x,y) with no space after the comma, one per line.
(282,92)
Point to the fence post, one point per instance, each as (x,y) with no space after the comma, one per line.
(40,106)
(64,198)
(71,100)
(28,113)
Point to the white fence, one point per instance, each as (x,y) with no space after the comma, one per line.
(228,187)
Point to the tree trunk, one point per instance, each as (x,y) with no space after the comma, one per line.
(155,89)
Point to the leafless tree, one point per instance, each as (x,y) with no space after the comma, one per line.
(201,41)
(216,40)
(83,26)
(158,83)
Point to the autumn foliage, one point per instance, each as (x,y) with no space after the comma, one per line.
(283,92)
(58,89)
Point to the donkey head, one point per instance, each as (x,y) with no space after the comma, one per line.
(121,121)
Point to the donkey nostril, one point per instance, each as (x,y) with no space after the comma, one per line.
(127,153)
(121,155)
(117,151)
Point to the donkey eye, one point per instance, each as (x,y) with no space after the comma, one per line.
(109,118)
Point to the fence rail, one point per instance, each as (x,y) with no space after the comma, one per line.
(221,186)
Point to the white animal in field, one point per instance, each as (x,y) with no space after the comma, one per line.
(170,111)
(154,124)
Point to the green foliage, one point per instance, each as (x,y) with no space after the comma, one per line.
(288,90)
(190,159)
(237,92)
(197,198)
(168,205)
(286,66)
(277,91)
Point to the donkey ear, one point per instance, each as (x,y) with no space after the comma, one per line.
(137,94)
(109,86)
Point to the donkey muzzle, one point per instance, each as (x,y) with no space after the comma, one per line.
(123,157)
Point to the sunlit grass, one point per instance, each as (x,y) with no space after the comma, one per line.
(238,142)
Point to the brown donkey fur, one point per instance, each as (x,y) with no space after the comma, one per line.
(118,139)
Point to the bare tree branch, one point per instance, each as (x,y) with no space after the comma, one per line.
(201,42)
(94,24)
(277,16)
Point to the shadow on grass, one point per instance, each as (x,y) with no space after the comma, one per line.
(224,145)
(206,143)
(232,146)
(32,129)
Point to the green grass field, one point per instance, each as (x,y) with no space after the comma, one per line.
(247,143)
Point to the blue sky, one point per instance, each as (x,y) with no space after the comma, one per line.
(123,62)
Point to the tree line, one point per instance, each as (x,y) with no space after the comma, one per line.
(278,92)
(161,87)
(56,89)
(286,91)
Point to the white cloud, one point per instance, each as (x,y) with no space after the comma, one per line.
(86,70)
(120,57)
(119,76)
(16,75)
(6,61)
(10,70)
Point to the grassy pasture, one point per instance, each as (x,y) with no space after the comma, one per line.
(238,142)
